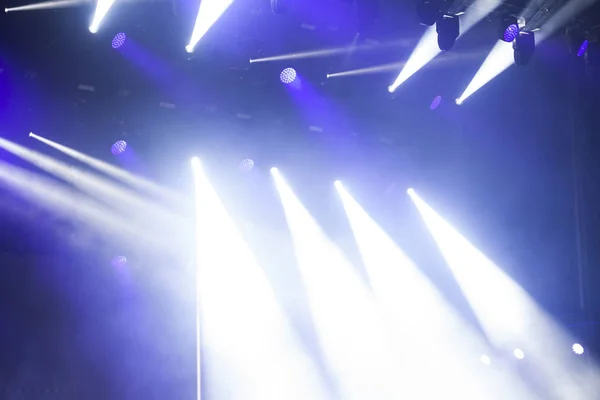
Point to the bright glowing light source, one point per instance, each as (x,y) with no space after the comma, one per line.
(582,49)
(410,191)
(246,165)
(119,147)
(208,14)
(578,349)
(507,314)
(119,261)
(102,7)
(435,103)
(398,284)
(427,48)
(288,75)
(458,101)
(345,320)
(119,40)
(274,170)
(486,360)
(499,59)
(511,32)
(519,354)
(338,184)
(243,326)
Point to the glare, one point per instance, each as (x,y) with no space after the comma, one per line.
(486,360)
(410,191)
(498,60)
(274,170)
(208,14)
(53,195)
(248,347)
(109,169)
(47,5)
(399,287)
(508,315)
(578,349)
(427,49)
(519,354)
(344,313)
(102,8)
(157,223)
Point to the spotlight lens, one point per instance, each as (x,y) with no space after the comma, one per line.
(410,191)
(189,49)
(578,349)
(435,103)
(288,75)
(519,354)
(582,48)
(511,33)
(119,261)
(486,360)
(459,101)
(246,165)
(119,40)
(119,147)
(274,170)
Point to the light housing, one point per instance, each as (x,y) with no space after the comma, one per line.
(524,47)
(448,30)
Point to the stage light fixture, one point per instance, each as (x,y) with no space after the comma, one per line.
(485,359)
(119,148)
(119,40)
(448,30)
(524,47)
(288,76)
(578,349)
(508,28)
(119,261)
(582,48)
(246,165)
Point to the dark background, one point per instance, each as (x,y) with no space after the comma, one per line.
(507,168)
